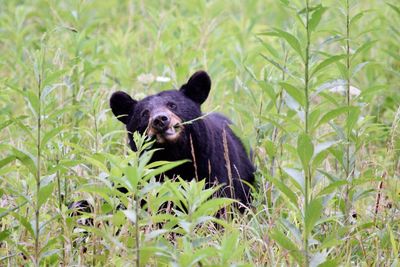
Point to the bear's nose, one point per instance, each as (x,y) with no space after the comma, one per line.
(160,122)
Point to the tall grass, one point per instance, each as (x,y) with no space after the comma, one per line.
(287,74)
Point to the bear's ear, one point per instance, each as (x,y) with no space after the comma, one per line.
(121,105)
(198,87)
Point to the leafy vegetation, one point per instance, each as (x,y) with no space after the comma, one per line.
(313,89)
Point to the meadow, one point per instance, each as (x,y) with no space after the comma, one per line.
(313,89)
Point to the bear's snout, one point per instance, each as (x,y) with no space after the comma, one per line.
(165,126)
(160,122)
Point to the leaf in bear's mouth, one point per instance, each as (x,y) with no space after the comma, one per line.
(177,127)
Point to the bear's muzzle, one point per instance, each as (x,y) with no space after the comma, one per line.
(165,126)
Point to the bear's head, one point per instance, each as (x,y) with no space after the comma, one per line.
(160,116)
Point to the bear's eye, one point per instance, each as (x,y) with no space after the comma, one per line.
(171,105)
(145,113)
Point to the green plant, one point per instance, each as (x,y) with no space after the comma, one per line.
(286,73)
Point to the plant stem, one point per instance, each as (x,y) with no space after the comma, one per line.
(275,133)
(307,171)
(96,129)
(137,230)
(96,199)
(60,203)
(38,172)
(279,108)
(348,104)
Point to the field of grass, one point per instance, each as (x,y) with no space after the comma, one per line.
(313,87)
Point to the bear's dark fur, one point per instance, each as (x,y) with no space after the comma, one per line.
(214,151)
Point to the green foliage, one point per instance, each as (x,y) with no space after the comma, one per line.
(312,88)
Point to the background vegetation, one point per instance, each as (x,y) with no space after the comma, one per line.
(313,88)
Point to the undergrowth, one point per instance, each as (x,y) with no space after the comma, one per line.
(313,90)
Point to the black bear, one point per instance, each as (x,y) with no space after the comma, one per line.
(215,152)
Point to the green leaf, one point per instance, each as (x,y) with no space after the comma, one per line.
(313,213)
(285,2)
(7,160)
(305,149)
(290,39)
(4,234)
(96,163)
(316,17)
(297,176)
(318,257)
(294,92)
(286,191)
(395,8)
(98,189)
(164,168)
(394,241)
(356,17)
(359,67)
(118,218)
(47,250)
(310,9)
(177,197)
(329,85)
(293,230)
(276,64)
(212,206)
(45,193)
(27,160)
(50,78)
(229,244)
(4,212)
(50,134)
(131,215)
(33,102)
(270,49)
(314,116)
(287,244)
(332,240)
(27,130)
(323,146)
(354,114)
(6,123)
(270,148)
(332,114)
(331,177)
(155,233)
(331,187)
(326,62)
(46,91)
(24,222)
(331,262)
(342,69)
